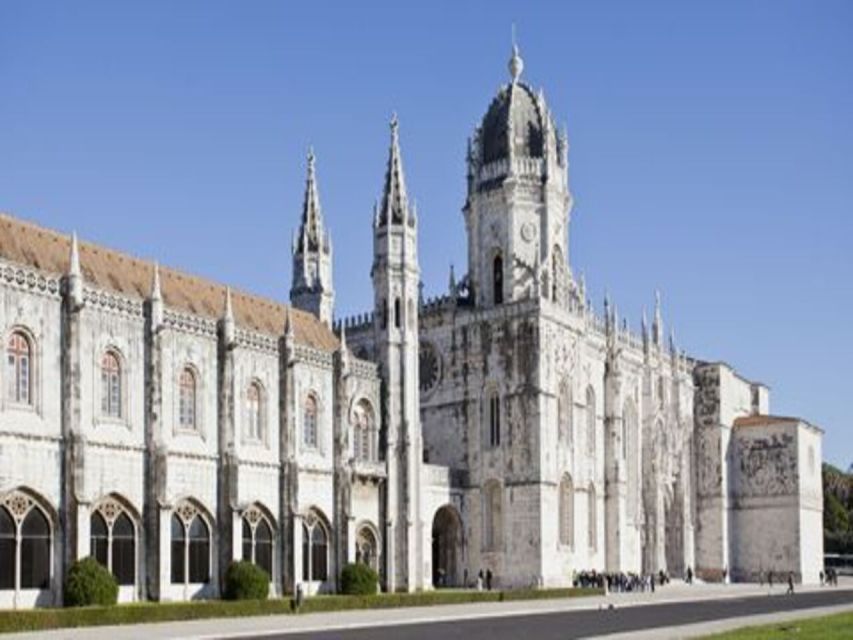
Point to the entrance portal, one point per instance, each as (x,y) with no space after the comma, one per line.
(446,548)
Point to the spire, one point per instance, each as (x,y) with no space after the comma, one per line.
(516,64)
(156,299)
(311,230)
(395,201)
(75,274)
(657,324)
(228,328)
(452,282)
(645,327)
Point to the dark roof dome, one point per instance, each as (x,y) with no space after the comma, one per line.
(515,106)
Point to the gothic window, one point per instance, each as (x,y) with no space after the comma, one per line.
(383,317)
(7,550)
(567,511)
(494,419)
(255,412)
(593,517)
(187,392)
(590,421)
(564,414)
(366,548)
(257,540)
(397,313)
(35,551)
(25,544)
(99,539)
(309,422)
(315,549)
(364,432)
(498,279)
(19,354)
(112,541)
(190,546)
(492,516)
(111,385)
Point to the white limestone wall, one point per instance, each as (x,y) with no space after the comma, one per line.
(809,458)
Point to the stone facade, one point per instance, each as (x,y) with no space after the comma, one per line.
(168,425)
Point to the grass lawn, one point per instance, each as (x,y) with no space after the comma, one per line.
(37,619)
(834,627)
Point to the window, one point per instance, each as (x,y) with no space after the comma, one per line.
(590,421)
(593,517)
(257,540)
(113,541)
(309,423)
(315,549)
(187,399)
(567,511)
(564,414)
(364,433)
(397,313)
(498,279)
(35,551)
(494,420)
(366,548)
(25,544)
(492,516)
(190,546)
(19,370)
(255,410)
(111,385)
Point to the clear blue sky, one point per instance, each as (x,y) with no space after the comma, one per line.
(711,150)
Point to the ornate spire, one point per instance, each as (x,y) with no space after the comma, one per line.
(395,201)
(228,327)
(311,230)
(156,299)
(75,274)
(657,325)
(516,64)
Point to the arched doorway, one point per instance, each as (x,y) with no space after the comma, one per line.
(446,547)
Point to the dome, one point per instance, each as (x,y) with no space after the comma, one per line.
(516,106)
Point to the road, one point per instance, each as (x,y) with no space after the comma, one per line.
(586,623)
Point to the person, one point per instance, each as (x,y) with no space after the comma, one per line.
(465,578)
(652,579)
(690,575)
(770,579)
(820,575)
(480,580)
(725,575)
(790,582)
(488,579)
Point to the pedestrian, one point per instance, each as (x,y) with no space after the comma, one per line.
(726,575)
(770,579)
(689,575)
(480,580)
(488,579)
(820,575)
(465,578)
(652,581)
(790,582)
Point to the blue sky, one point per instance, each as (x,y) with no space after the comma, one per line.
(711,150)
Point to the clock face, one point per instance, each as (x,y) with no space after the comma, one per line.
(429,367)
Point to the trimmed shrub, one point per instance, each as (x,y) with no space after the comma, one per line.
(359,580)
(246,581)
(90,583)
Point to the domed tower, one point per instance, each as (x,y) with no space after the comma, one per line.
(518,204)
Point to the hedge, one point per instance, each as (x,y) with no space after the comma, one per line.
(90,583)
(359,580)
(138,613)
(246,581)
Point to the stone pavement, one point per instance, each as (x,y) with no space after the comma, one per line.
(288,624)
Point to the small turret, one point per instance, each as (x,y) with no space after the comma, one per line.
(156,300)
(75,275)
(229,333)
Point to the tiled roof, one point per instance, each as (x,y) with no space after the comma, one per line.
(762,420)
(33,246)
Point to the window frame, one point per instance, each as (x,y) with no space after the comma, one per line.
(187,371)
(111,511)
(256,419)
(311,522)
(117,378)
(16,360)
(18,507)
(311,443)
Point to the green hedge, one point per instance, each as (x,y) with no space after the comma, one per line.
(90,583)
(359,580)
(38,619)
(246,581)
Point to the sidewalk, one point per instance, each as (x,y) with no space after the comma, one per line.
(268,625)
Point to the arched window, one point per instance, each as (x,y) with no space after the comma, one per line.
(187,399)
(364,433)
(112,541)
(593,518)
(366,548)
(190,546)
(99,539)
(111,385)
(35,551)
(7,550)
(398,320)
(492,516)
(257,540)
(498,279)
(494,419)
(567,511)
(315,549)
(309,422)
(255,412)
(25,543)
(19,356)
(590,420)
(564,414)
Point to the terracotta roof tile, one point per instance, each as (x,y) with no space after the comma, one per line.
(33,246)
(762,420)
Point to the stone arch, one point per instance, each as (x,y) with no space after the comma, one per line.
(316,546)
(34,523)
(259,535)
(447,547)
(114,546)
(368,549)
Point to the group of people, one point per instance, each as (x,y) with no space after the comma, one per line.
(484,580)
(830,578)
(619,582)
